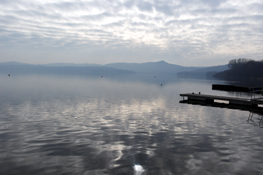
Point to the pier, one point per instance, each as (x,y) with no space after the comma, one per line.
(233,88)
(230,100)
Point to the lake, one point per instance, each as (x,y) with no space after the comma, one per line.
(121,125)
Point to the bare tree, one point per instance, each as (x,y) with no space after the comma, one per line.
(236,63)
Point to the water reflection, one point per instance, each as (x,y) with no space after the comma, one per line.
(256,121)
(138,169)
(252,110)
(100,126)
(222,104)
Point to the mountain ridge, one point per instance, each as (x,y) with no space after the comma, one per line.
(147,67)
(150,67)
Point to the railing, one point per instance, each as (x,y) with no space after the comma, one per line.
(254,91)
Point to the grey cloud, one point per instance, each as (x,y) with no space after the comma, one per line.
(8,19)
(35,15)
(97,17)
(145,6)
(115,24)
(143,17)
(204,11)
(82,6)
(164,8)
(202,3)
(8,2)
(67,24)
(4,1)
(250,20)
(129,4)
(67,6)
(194,26)
(256,7)
(97,31)
(213,3)
(182,22)
(14,38)
(143,24)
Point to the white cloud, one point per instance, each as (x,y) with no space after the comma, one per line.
(187,29)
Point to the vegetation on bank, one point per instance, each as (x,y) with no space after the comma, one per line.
(242,69)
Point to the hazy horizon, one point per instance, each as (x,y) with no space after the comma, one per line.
(53,63)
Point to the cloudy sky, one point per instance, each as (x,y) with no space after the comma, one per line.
(184,32)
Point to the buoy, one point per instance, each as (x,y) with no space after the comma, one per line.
(9,75)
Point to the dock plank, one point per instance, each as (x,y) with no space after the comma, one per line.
(231,100)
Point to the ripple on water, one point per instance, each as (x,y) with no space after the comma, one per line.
(140,129)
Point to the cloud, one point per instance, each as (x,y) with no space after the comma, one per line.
(145,6)
(200,29)
(213,4)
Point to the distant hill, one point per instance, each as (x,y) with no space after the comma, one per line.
(212,68)
(110,69)
(151,67)
(19,69)
(204,72)
(71,64)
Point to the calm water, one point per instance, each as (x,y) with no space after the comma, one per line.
(96,126)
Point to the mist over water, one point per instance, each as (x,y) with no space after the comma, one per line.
(121,125)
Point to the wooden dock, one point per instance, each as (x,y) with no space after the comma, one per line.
(231,100)
(233,88)
(258,110)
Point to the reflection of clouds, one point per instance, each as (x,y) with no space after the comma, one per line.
(145,127)
(82,111)
(94,126)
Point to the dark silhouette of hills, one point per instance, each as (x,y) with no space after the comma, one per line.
(160,67)
(242,69)
(20,68)
(204,72)
(151,67)
(218,68)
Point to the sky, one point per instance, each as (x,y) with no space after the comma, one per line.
(182,32)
